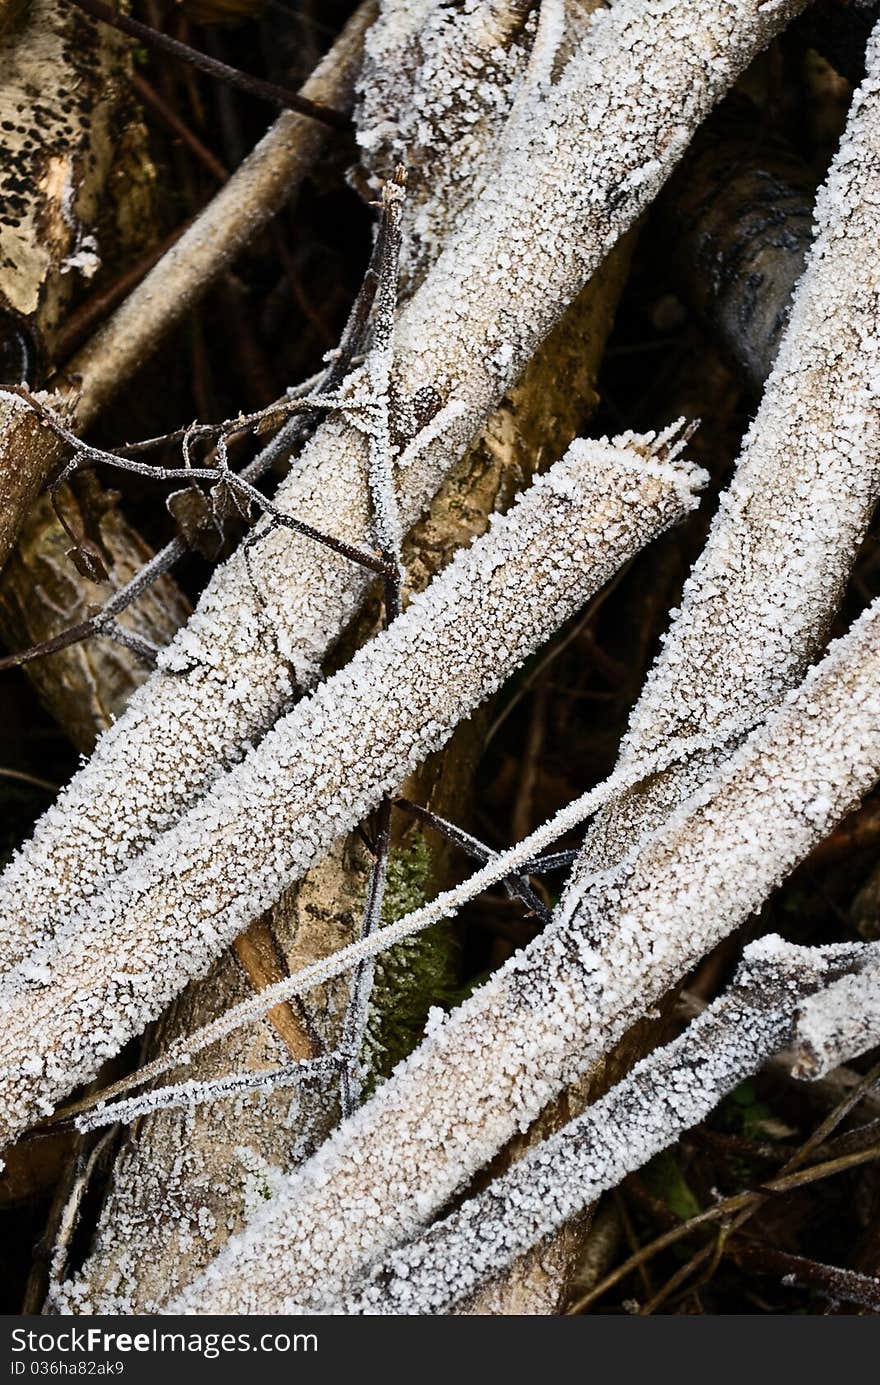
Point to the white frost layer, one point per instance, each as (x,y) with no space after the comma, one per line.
(759,601)
(436,85)
(583,159)
(763,592)
(555,1009)
(326,764)
(838,1025)
(667,1093)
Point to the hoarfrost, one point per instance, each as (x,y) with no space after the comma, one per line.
(665,1094)
(558,1007)
(319,771)
(583,159)
(839,1024)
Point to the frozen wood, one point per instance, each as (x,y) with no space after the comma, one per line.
(555,1009)
(181,1171)
(84,688)
(762,594)
(839,1024)
(591,151)
(434,89)
(770,577)
(667,1093)
(196,1181)
(437,84)
(178,1170)
(187,1179)
(327,763)
(764,590)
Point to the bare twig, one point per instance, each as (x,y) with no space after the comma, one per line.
(299,420)
(254,86)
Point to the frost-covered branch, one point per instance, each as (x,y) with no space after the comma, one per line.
(184,1180)
(763,591)
(555,1009)
(666,1093)
(500,867)
(586,155)
(437,85)
(328,762)
(760,599)
(839,1024)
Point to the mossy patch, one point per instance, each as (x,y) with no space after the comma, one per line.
(664,1179)
(415,974)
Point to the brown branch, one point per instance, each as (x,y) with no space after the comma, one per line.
(252,196)
(169,117)
(254,86)
(742,1205)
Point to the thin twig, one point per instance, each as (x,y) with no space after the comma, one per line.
(379,366)
(86,455)
(517,886)
(150,97)
(355,1022)
(289,436)
(255,86)
(831,1281)
(789,1178)
(34,779)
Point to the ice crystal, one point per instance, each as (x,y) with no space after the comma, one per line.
(762,594)
(840,1024)
(666,1093)
(583,158)
(327,763)
(558,1007)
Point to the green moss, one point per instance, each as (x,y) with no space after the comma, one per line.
(742,1113)
(419,972)
(664,1179)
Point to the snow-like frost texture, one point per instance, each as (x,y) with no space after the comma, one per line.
(325,765)
(761,597)
(840,1024)
(582,160)
(668,1092)
(436,86)
(559,1006)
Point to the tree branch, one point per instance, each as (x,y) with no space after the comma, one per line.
(326,763)
(554,1010)
(667,1093)
(463,338)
